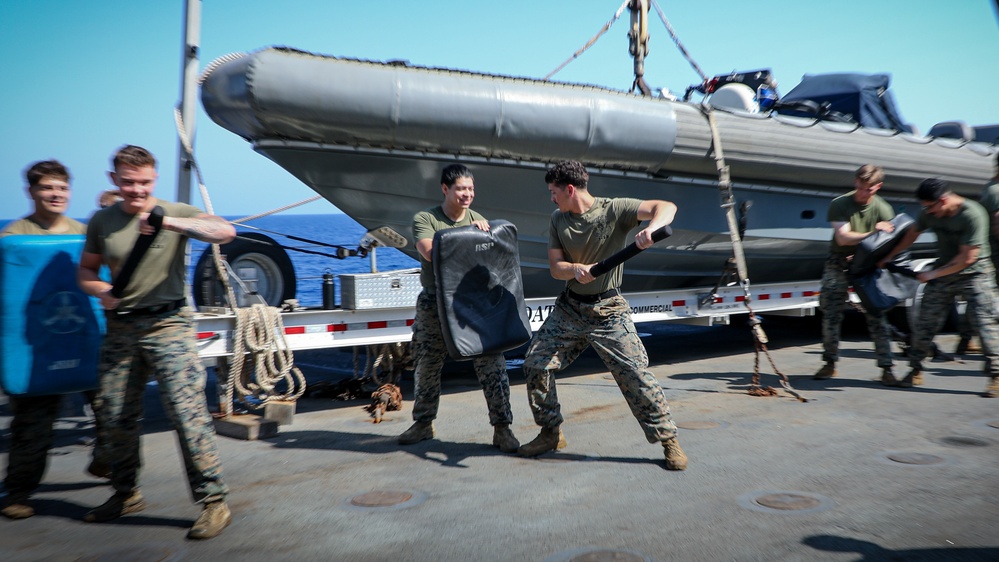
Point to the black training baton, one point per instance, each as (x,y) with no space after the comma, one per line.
(629,252)
(155,220)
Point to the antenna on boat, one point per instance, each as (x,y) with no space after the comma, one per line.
(638,40)
(188,95)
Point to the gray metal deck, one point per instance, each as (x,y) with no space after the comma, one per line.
(605,497)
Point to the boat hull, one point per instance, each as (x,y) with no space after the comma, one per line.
(787,235)
(373,137)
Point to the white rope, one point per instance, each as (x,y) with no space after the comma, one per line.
(260,334)
(278,210)
(258,328)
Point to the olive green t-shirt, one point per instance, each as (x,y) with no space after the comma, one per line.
(968,227)
(425,224)
(159,277)
(28,226)
(990,200)
(595,235)
(862,218)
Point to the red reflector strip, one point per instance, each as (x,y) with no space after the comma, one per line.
(718,300)
(376,325)
(294,330)
(740,299)
(680,303)
(410,322)
(369,325)
(336,328)
(785,295)
(764,297)
(809,293)
(206,335)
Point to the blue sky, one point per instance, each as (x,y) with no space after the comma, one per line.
(80,78)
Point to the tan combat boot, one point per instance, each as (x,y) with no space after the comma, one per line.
(887,377)
(992,390)
(214,517)
(967,346)
(17,509)
(419,431)
(827,371)
(915,376)
(119,504)
(676,459)
(550,439)
(504,439)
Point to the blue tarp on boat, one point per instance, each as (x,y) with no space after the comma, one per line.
(859,98)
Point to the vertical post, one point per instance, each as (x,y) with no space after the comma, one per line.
(188,93)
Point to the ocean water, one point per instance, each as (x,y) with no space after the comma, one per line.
(332,228)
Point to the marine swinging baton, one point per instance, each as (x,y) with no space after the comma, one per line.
(155,220)
(630,251)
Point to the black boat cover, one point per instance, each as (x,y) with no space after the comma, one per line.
(857,98)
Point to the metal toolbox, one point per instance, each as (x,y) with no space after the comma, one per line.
(388,289)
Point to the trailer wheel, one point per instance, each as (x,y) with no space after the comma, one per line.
(258,260)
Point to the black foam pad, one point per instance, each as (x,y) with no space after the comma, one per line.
(480,294)
(876,246)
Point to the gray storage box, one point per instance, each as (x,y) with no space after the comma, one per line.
(388,289)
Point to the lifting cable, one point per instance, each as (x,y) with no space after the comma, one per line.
(728,204)
(679,45)
(259,329)
(590,43)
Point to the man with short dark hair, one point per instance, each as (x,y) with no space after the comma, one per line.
(854,216)
(591,311)
(150,334)
(429,349)
(962,267)
(31,427)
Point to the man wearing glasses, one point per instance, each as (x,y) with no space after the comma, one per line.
(963,267)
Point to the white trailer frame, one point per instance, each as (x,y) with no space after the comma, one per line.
(323,329)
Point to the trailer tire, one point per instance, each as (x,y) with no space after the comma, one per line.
(274,271)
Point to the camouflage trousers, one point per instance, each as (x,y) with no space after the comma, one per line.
(979,289)
(607,326)
(161,346)
(833,301)
(429,352)
(31,437)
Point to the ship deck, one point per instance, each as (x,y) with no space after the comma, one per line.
(830,466)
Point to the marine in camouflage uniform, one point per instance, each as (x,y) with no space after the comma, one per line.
(151,335)
(584,231)
(31,428)
(963,267)
(854,216)
(429,349)
(989,199)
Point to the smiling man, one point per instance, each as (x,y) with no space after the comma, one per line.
(150,334)
(963,267)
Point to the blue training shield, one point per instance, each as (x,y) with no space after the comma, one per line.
(49,328)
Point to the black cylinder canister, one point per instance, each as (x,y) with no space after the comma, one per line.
(329,291)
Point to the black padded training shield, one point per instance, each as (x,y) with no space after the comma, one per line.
(480,295)
(876,246)
(880,290)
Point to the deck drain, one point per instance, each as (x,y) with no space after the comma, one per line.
(386,499)
(915,458)
(380,499)
(698,424)
(783,501)
(960,441)
(598,555)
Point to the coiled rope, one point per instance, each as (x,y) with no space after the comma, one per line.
(259,329)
